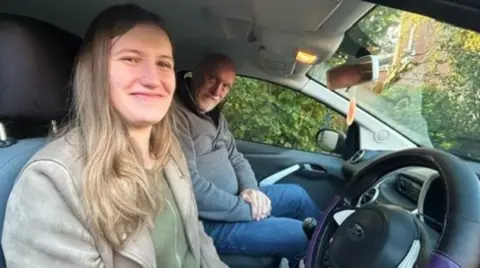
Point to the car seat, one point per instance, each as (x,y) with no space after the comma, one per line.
(36,61)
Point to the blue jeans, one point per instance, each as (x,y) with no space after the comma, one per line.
(280,235)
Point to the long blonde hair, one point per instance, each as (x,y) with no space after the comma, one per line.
(118,196)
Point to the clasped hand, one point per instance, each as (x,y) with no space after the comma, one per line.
(260,203)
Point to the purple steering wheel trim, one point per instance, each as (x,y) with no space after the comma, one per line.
(438,260)
(311,245)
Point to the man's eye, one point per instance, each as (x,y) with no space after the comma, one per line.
(165,64)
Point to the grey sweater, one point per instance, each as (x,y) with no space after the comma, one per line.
(218,171)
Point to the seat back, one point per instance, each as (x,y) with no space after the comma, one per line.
(36,60)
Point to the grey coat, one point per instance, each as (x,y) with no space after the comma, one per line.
(218,171)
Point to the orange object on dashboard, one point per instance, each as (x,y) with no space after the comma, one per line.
(352,108)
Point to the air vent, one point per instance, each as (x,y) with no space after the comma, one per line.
(368,197)
(357,157)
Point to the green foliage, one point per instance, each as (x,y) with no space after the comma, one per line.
(455,102)
(444,103)
(263,112)
(376,25)
(442,106)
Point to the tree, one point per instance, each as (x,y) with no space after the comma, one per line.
(268,113)
(460,87)
(378,23)
(438,62)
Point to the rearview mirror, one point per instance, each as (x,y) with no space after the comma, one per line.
(356,72)
(330,140)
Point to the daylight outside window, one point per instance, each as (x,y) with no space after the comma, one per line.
(429,85)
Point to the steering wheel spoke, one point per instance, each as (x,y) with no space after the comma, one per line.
(412,255)
(342,215)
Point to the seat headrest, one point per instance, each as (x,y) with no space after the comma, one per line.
(36,63)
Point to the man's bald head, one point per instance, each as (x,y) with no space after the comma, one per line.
(212,80)
(213,62)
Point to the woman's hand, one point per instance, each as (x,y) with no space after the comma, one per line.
(261,204)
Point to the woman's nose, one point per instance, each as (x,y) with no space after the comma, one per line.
(150,76)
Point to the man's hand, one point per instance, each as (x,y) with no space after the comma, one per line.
(261,204)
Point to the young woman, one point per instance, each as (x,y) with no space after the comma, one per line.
(114,189)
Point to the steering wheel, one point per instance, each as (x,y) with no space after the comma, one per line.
(387,236)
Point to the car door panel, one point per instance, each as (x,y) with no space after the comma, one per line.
(319,174)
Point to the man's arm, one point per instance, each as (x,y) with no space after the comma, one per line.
(243,170)
(213,203)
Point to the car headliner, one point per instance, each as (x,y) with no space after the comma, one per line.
(261,36)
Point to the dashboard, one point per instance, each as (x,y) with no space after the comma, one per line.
(417,189)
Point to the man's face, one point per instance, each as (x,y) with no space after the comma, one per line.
(215,88)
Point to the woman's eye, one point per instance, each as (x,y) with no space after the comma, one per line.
(130,59)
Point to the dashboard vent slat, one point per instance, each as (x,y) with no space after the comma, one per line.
(368,197)
(357,157)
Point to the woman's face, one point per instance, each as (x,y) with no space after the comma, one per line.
(141,75)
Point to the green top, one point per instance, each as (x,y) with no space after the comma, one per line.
(170,241)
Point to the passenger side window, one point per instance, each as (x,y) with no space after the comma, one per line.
(264,112)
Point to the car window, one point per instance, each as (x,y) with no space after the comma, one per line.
(264,112)
(428,86)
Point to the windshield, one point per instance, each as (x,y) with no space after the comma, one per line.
(429,83)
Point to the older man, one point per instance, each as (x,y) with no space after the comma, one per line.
(241,217)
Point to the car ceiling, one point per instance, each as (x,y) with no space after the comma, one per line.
(261,36)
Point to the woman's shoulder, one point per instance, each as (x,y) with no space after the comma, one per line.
(55,171)
(62,155)
(46,201)
(60,148)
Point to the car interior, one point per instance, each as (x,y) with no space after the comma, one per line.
(39,41)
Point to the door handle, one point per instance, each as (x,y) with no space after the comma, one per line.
(313,168)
